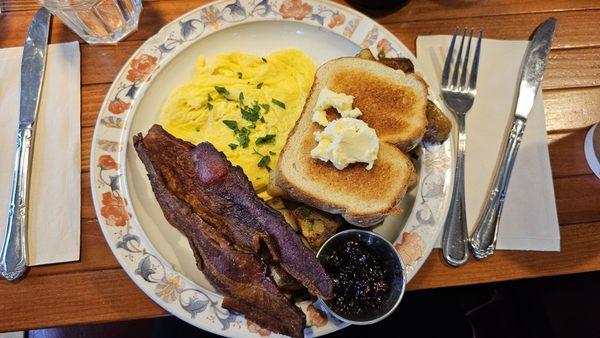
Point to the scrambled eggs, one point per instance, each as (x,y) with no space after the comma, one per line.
(245,105)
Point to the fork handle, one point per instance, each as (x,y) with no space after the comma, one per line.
(483,241)
(455,239)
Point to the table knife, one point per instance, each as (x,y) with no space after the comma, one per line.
(483,240)
(13,257)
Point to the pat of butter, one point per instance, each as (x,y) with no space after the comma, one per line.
(340,101)
(346,140)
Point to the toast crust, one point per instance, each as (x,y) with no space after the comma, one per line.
(393,103)
(354,183)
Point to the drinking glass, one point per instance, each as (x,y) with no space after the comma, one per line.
(97,21)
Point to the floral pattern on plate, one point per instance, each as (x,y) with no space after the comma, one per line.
(156,277)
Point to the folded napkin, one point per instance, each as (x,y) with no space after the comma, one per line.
(529,220)
(55,190)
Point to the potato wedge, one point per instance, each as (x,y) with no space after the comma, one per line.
(402,64)
(366,54)
(316,226)
(438,125)
(277,204)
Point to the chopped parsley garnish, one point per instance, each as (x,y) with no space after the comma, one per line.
(210,106)
(243,138)
(222,90)
(264,60)
(259,85)
(264,162)
(272,152)
(239,75)
(231,124)
(269,138)
(381,54)
(266,107)
(279,103)
(197,128)
(209,97)
(250,113)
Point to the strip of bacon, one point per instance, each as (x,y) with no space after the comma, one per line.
(241,277)
(222,195)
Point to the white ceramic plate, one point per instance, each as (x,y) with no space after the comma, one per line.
(155,255)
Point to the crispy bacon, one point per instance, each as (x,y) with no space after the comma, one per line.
(222,195)
(241,277)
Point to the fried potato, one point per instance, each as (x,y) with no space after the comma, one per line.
(277,204)
(316,226)
(366,54)
(438,125)
(402,64)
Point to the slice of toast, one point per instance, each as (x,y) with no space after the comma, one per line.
(393,104)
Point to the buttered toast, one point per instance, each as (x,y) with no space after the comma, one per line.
(393,103)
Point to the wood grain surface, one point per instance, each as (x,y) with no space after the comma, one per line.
(96,289)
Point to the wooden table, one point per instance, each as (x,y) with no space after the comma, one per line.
(96,289)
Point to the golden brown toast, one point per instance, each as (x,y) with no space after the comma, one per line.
(393,103)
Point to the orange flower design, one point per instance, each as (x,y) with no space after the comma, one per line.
(106,162)
(212,16)
(336,20)
(316,317)
(295,9)
(411,248)
(142,67)
(118,106)
(114,210)
(254,328)
(384,46)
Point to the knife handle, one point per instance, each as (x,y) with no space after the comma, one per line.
(483,240)
(13,257)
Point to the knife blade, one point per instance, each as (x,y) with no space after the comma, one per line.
(483,240)
(13,256)
(536,58)
(33,65)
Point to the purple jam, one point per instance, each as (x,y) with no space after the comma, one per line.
(362,282)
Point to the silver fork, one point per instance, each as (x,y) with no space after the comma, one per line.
(459,99)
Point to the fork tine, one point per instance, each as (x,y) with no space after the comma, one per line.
(458,61)
(473,79)
(446,72)
(463,74)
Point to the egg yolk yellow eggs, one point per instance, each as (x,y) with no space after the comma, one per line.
(245,105)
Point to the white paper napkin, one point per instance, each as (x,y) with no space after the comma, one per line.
(529,220)
(55,195)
